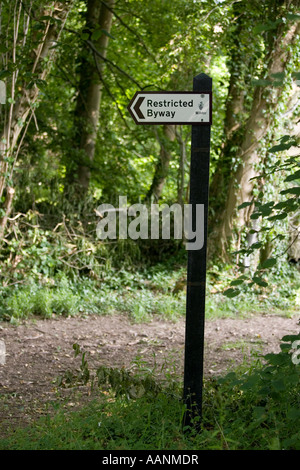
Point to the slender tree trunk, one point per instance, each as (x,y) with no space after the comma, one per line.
(22,103)
(264,106)
(10,192)
(181,169)
(293,251)
(240,62)
(86,117)
(162,166)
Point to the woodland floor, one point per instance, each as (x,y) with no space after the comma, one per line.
(39,351)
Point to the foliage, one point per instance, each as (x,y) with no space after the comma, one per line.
(269,393)
(273,216)
(253,409)
(40,301)
(51,261)
(142,293)
(192,38)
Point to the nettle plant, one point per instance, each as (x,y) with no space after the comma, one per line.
(277,221)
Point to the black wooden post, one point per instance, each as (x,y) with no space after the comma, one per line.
(196,271)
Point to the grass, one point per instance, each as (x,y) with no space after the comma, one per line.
(255,408)
(251,409)
(153,292)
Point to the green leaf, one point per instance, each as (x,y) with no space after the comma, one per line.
(282,146)
(290,205)
(3,49)
(294,176)
(290,338)
(107,34)
(231,292)
(236,282)
(285,138)
(259,281)
(278,75)
(278,83)
(269,26)
(276,359)
(279,237)
(294,190)
(278,78)
(280,205)
(243,251)
(255,215)
(257,245)
(259,412)
(267,205)
(279,385)
(41,84)
(266,210)
(4,74)
(285,347)
(76,348)
(281,216)
(264,391)
(260,82)
(250,383)
(292,380)
(244,204)
(260,28)
(268,263)
(293,414)
(292,16)
(52,19)
(97,33)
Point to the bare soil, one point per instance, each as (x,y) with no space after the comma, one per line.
(38,352)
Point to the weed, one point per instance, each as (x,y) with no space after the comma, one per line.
(253,409)
(40,301)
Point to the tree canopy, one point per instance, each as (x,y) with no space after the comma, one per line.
(71,68)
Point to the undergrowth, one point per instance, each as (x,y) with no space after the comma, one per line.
(142,296)
(252,409)
(67,271)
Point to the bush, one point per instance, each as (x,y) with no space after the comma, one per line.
(256,409)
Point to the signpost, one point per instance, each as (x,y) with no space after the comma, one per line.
(195,109)
(171,107)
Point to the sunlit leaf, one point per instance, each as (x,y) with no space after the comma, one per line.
(231,292)
(269,263)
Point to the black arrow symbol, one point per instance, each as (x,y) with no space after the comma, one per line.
(137,107)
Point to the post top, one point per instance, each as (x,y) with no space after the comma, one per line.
(202,82)
(202,76)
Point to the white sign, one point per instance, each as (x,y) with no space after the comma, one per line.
(171,107)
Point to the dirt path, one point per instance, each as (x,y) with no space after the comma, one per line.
(39,351)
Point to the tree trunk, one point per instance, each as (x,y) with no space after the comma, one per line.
(162,166)
(22,104)
(181,169)
(86,117)
(10,192)
(241,60)
(293,251)
(264,106)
